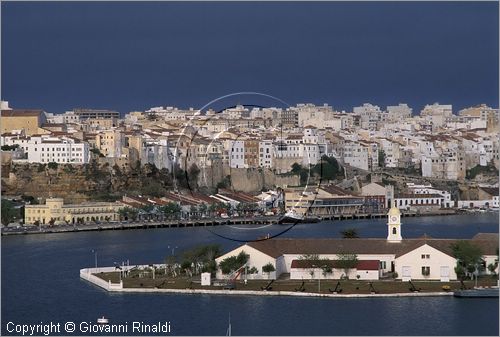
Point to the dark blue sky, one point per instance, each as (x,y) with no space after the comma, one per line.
(129,56)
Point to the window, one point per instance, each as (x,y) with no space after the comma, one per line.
(382,265)
(426,271)
(426,256)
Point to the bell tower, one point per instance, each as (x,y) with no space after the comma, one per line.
(394,225)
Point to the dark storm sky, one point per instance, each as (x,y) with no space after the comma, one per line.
(129,56)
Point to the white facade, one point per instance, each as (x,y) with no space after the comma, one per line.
(266,153)
(45,149)
(437,109)
(355,154)
(427,189)
(257,259)
(394,225)
(399,112)
(426,263)
(237,154)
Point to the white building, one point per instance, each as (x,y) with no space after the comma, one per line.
(437,109)
(237,154)
(369,115)
(45,149)
(412,259)
(399,112)
(266,153)
(428,189)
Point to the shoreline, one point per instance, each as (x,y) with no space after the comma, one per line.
(87,275)
(209,222)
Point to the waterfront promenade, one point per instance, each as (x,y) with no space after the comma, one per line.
(205,222)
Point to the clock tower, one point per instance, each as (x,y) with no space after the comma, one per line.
(394,225)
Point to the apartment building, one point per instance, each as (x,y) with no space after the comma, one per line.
(45,149)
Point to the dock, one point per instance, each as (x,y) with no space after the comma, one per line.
(204,222)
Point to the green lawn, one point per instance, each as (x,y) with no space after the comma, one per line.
(348,286)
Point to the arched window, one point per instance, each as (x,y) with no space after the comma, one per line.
(394,230)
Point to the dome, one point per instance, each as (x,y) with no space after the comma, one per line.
(394,211)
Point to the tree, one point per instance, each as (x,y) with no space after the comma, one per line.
(346,261)
(193,210)
(233,263)
(328,168)
(53,165)
(225,183)
(381,158)
(268,268)
(193,174)
(171,209)
(202,257)
(8,212)
(128,213)
(296,168)
(469,258)
(202,208)
(10,147)
(350,233)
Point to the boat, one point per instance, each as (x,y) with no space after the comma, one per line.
(292,217)
(477,292)
(102,320)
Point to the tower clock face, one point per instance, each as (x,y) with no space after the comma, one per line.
(394,218)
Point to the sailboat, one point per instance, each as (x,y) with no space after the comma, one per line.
(292,216)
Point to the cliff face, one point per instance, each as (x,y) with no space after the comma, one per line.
(81,183)
(105,182)
(254,180)
(30,180)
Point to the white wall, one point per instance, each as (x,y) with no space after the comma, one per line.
(368,274)
(336,274)
(257,259)
(414,261)
(476,203)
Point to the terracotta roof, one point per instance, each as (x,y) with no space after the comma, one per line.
(368,265)
(277,247)
(493,191)
(332,189)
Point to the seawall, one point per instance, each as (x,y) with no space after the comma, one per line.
(86,274)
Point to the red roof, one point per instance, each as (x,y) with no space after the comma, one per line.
(368,265)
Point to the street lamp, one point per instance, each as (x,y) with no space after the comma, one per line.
(120,268)
(95,256)
(173,249)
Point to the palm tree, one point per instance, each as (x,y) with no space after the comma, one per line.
(202,208)
(349,233)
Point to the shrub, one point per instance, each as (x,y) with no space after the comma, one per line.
(53,165)
(268,268)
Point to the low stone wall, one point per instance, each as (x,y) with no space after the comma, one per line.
(86,274)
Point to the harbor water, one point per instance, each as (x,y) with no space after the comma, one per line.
(41,284)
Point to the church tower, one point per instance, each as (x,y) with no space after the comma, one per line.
(394,225)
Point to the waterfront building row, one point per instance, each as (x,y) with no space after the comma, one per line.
(422,258)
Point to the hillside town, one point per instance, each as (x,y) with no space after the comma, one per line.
(247,160)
